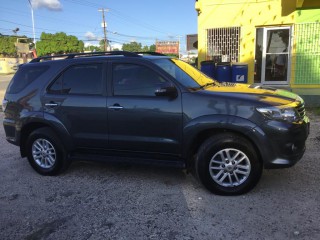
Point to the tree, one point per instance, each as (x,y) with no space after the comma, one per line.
(132,47)
(7,44)
(137,47)
(7,47)
(58,43)
(92,48)
(152,48)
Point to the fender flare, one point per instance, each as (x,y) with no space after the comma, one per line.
(37,119)
(198,126)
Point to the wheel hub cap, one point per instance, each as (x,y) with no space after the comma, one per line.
(229,167)
(44,153)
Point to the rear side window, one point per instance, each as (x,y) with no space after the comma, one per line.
(79,79)
(24,76)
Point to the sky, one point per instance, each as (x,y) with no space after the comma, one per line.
(143,21)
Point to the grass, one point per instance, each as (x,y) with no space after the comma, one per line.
(313,113)
(316,111)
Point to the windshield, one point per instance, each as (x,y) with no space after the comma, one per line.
(184,73)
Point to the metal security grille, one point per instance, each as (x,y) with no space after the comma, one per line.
(223,44)
(307,53)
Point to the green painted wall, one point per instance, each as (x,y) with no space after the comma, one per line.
(307,15)
(307,47)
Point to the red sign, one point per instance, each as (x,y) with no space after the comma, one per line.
(167,47)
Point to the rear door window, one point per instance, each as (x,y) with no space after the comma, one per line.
(24,76)
(79,79)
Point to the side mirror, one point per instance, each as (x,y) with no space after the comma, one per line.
(167,91)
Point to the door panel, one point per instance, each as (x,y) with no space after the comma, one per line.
(139,120)
(145,124)
(78,100)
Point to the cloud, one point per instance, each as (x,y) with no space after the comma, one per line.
(116,45)
(52,5)
(87,44)
(90,36)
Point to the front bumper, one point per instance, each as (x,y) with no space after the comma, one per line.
(282,144)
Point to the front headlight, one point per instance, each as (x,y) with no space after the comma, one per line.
(286,114)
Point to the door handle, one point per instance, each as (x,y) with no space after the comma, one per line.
(115,107)
(51,104)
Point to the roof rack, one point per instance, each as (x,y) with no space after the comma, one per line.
(151,53)
(73,55)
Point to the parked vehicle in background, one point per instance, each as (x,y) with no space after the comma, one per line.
(124,106)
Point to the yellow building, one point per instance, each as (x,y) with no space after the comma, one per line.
(278,39)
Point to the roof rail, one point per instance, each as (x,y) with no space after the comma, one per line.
(151,53)
(90,54)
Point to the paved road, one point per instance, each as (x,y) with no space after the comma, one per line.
(103,201)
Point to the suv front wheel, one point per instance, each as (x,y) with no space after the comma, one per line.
(227,164)
(45,152)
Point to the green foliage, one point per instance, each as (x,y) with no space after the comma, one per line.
(7,47)
(58,43)
(152,48)
(132,47)
(317,111)
(101,44)
(137,47)
(172,55)
(92,48)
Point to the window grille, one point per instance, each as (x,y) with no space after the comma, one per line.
(307,53)
(223,44)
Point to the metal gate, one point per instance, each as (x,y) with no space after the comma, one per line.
(223,44)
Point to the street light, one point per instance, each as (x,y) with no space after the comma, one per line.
(15,31)
(34,33)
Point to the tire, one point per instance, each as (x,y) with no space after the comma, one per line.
(45,152)
(227,164)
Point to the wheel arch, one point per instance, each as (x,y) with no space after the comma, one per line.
(55,125)
(200,132)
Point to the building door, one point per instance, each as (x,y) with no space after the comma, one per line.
(275,55)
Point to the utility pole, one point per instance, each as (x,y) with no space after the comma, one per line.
(34,33)
(179,46)
(104,25)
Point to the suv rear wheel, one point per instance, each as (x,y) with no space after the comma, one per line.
(227,164)
(45,152)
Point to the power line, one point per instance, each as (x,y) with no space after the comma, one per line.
(118,14)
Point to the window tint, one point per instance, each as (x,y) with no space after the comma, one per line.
(184,73)
(135,80)
(24,76)
(80,79)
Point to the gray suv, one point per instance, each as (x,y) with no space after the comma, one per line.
(129,107)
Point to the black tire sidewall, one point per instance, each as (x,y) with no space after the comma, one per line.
(49,135)
(213,145)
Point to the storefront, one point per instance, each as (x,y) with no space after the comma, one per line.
(278,39)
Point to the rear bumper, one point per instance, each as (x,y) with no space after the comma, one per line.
(12,134)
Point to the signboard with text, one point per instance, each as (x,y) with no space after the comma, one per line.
(167,47)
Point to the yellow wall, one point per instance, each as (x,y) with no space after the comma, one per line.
(8,65)
(248,14)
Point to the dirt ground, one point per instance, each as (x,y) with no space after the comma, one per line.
(104,201)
